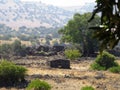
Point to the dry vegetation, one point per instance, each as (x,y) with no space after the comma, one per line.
(27,43)
(69,79)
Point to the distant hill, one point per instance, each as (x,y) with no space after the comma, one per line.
(15,13)
(34,19)
(87,7)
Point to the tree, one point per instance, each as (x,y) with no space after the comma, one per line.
(5,50)
(108,31)
(18,49)
(48,38)
(76,31)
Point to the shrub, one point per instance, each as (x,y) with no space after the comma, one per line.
(38,85)
(115,69)
(18,49)
(72,54)
(10,74)
(87,88)
(5,50)
(96,66)
(104,61)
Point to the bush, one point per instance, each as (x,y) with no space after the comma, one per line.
(14,49)
(38,85)
(115,69)
(10,74)
(5,50)
(87,88)
(104,61)
(18,49)
(72,54)
(96,66)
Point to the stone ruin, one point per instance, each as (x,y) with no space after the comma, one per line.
(60,63)
(41,50)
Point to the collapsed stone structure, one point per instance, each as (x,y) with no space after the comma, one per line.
(60,63)
(42,49)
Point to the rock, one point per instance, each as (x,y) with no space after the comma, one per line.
(67,76)
(99,75)
(47,76)
(36,76)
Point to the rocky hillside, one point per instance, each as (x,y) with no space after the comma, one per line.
(16,13)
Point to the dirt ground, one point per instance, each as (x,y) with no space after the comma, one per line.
(78,76)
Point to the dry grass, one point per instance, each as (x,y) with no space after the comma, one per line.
(78,76)
(27,43)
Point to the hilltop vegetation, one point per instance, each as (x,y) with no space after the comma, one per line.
(26,34)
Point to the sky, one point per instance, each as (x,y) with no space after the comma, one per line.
(63,3)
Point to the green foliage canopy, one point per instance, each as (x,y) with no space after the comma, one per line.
(76,31)
(38,85)
(87,88)
(10,74)
(14,49)
(72,54)
(104,61)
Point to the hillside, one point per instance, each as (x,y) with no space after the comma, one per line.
(18,18)
(15,13)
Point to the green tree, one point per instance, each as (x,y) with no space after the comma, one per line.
(48,38)
(18,49)
(76,31)
(108,31)
(5,50)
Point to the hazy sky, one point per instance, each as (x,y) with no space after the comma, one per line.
(64,2)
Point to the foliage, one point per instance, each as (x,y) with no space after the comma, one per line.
(10,73)
(96,66)
(104,61)
(24,37)
(55,42)
(48,37)
(38,85)
(108,31)
(72,53)
(47,42)
(27,33)
(16,48)
(87,88)
(75,46)
(5,50)
(76,31)
(35,42)
(115,69)
(5,37)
